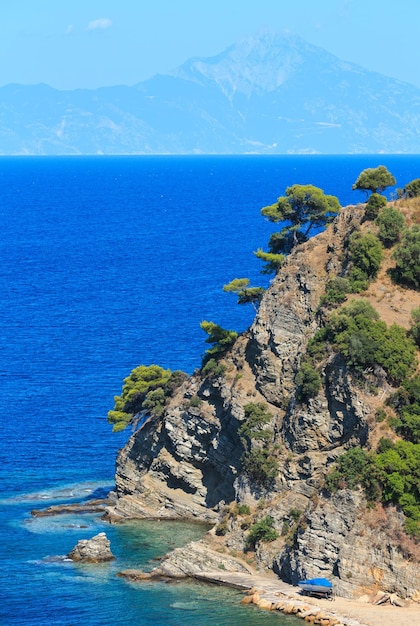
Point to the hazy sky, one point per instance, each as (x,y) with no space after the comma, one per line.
(91,43)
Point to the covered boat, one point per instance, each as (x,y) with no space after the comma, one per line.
(316,586)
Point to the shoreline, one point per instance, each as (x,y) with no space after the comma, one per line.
(271,594)
(200,560)
(265,590)
(288,600)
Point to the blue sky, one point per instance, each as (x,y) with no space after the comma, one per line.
(71,44)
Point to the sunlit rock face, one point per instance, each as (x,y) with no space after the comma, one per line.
(94,550)
(189,462)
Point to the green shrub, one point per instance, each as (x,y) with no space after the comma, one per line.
(375,203)
(120,419)
(380,415)
(406,402)
(409,425)
(273,261)
(155,402)
(390,222)
(119,424)
(396,353)
(365,255)
(412,189)
(195,402)
(256,417)
(319,343)
(359,281)
(360,309)
(295,515)
(400,470)
(145,389)
(246,294)
(308,382)
(336,291)
(384,445)
(407,259)
(214,369)
(415,329)
(260,465)
(391,475)
(263,530)
(365,341)
(351,470)
(220,338)
(243,509)
(412,528)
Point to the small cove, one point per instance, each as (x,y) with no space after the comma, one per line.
(107,263)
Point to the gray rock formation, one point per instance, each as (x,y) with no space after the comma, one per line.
(94,550)
(339,539)
(196,558)
(188,463)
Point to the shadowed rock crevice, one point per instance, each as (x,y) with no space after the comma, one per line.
(189,462)
(348,413)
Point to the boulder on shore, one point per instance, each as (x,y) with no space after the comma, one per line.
(94,550)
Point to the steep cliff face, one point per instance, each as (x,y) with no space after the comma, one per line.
(341,539)
(188,463)
(185,464)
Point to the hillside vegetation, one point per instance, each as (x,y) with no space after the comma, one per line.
(300,438)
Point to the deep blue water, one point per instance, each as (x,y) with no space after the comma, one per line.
(107,263)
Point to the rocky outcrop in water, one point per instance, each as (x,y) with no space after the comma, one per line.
(188,464)
(94,550)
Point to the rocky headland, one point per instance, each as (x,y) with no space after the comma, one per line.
(188,462)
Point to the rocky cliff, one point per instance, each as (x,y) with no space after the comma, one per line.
(189,462)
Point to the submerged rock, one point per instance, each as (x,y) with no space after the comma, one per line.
(94,550)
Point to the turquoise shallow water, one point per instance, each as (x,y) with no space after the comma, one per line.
(107,263)
(53,590)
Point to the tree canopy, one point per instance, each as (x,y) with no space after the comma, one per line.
(407,257)
(390,222)
(375,203)
(366,255)
(412,189)
(303,208)
(273,261)
(220,338)
(145,389)
(245,294)
(374,179)
(356,332)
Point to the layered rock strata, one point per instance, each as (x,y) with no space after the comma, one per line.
(94,550)
(187,464)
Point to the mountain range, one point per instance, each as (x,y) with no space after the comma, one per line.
(269,93)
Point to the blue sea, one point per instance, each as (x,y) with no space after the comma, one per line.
(108,263)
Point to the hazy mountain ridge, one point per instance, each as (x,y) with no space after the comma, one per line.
(256,65)
(268,93)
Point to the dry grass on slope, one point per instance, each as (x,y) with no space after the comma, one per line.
(393,302)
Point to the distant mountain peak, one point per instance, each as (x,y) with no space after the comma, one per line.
(258,63)
(268,93)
